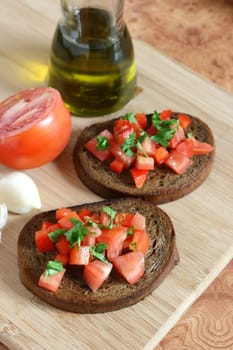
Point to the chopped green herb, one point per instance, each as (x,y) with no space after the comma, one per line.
(166,129)
(102,143)
(111,213)
(97,252)
(130,231)
(133,246)
(91,223)
(130,117)
(128,144)
(189,134)
(53,267)
(77,233)
(55,235)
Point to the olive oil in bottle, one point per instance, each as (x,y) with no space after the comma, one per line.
(92,62)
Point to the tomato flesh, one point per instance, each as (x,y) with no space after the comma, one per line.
(178,162)
(79,255)
(52,282)
(43,242)
(114,239)
(140,241)
(131,266)
(30,120)
(95,273)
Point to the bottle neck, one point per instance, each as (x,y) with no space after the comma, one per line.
(77,12)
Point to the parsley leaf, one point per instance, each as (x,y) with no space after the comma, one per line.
(130,117)
(130,231)
(128,144)
(166,129)
(77,233)
(97,252)
(55,235)
(53,267)
(102,143)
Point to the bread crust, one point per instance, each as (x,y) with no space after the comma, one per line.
(73,295)
(162,185)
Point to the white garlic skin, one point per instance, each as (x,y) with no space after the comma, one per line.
(19,192)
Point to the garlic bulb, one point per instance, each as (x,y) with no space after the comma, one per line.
(3,217)
(19,192)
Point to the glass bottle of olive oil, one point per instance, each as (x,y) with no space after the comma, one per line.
(92,58)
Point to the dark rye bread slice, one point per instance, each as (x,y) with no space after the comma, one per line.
(162,185)
(73,294)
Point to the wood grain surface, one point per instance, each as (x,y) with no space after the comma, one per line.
(26,31)
(198,34)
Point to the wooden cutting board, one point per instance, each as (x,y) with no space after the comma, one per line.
(203,219)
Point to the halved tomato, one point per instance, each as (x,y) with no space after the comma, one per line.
(35,127)
(95,273)
(131,266)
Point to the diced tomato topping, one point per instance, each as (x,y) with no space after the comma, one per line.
(123,128)
(84,213)
(141,119)
(63,258)
(140,241)
(62,245)
(138,221)
(148,146)
(79,255)
(177,138)
(43,242)
(124,134)
(185,147)
(117,165)
(144,163)
(89,240)
(131,266)
(123,219)
(91,146)
(166,114)
(118,153)
(52,282)
(161,155)
(66,213)
(152,130)
(126,242)
(65,223)
(139,176)
(114,239)
(184,120)
(46,224)
(95,273)
(200,148)
(178,162)
(104,219)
